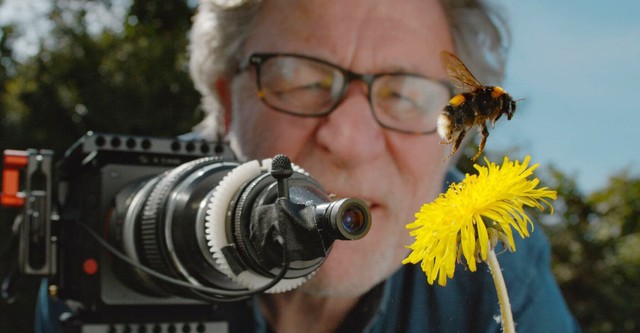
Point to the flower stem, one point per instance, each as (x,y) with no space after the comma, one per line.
(508,326)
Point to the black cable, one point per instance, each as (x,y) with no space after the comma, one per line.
(227,296)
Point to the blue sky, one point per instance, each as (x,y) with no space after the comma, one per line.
(577,64)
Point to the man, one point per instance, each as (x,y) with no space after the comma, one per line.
(350,91)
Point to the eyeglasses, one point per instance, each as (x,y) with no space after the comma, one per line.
(311,87)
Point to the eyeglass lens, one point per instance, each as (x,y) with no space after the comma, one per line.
(310,87)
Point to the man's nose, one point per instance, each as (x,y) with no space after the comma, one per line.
(350,132)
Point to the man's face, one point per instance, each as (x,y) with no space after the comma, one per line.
(347,151)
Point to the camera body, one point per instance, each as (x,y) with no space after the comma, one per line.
(158,234)
(82,189)
(92,174)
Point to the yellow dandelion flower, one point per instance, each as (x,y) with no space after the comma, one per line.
(473,215)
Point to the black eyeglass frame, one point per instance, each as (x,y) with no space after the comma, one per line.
(257,59)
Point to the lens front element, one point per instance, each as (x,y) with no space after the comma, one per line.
(350,218)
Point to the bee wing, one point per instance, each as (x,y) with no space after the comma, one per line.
(458,73)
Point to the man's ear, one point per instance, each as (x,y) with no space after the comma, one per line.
(224,93)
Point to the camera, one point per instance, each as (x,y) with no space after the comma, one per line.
(149,234)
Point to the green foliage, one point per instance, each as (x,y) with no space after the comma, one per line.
(134,81)
(596,251)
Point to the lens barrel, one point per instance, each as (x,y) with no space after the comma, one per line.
(167,225)
(347,219)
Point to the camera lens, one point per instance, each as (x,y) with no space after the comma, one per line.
(349,218)
(353,220)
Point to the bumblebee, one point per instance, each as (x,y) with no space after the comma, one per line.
(475,105)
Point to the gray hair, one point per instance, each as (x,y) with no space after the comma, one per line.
(221,27)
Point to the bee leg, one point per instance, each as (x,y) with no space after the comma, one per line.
(493,122)
(483,141)
(446,142)
(458,141)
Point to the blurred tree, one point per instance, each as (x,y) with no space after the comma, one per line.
(7,65)
(132,81)
(596,251)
